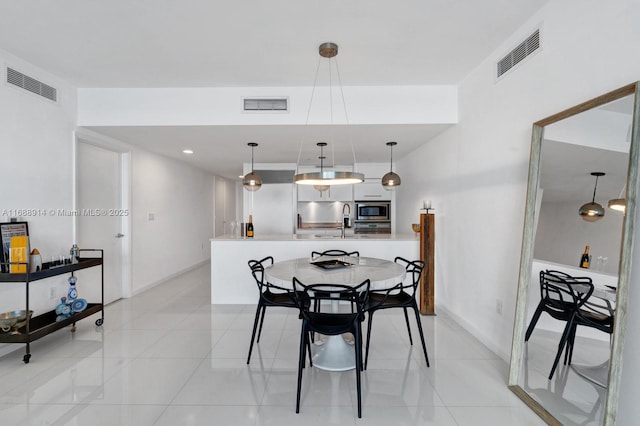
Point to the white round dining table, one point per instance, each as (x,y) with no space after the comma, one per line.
(334,354)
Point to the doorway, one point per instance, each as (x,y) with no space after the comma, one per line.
(103,214)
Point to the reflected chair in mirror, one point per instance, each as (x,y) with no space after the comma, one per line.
(595,313)
(402,295)
(331,323)
(562,296)
(269,296)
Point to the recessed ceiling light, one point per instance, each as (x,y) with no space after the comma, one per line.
(187,151)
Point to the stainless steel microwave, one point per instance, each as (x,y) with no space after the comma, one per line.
(373,211)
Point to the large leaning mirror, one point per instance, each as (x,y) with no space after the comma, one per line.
(571,308)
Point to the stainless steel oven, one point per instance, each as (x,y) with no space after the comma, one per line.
(372,217)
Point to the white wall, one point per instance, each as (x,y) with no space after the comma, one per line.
(476,173)
(181,199)
(36,138)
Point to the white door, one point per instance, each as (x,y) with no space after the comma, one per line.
(100,215)
(219,208)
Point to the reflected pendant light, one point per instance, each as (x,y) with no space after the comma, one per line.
(391,180)
(327,178)
(592,211)
(619,204)
(252,181)
(321,188)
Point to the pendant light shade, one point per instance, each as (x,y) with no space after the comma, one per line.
(391,180)
(252,181)
(324,179)
(619,204)
(592,211)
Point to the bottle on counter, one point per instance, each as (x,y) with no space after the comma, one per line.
(250,227)
(584,259)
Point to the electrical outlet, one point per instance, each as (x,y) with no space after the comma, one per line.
(499,306)
(52,292)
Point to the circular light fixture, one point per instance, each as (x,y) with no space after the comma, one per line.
(252,181)
(324,179)
(592,211)
(391,180)
(328,178)
(187,151)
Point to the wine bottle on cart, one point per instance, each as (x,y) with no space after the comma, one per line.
(250,227)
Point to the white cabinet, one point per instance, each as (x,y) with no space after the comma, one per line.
(334,193)
(370,190)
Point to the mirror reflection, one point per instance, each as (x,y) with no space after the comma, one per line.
(576,253)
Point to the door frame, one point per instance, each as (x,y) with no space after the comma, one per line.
(124,156)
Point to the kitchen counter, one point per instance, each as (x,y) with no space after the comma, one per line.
(231,280)
(319,236)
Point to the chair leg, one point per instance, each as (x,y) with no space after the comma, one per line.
(424,346)
(358,353)
(569,351)
(406,318)
(301,357)
(366,356)
(253,333)
(563,341)
(534,320)
(264,309)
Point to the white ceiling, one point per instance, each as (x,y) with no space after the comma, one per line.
(205,43)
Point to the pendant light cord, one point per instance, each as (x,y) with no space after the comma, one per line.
(593,200)
(306,122)
(346,114)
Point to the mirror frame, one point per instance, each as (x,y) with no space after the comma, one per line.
(624,267)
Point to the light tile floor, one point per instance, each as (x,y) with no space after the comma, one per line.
(168,357)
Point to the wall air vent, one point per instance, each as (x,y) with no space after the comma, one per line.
(31,84)
(266,105)
(524,49)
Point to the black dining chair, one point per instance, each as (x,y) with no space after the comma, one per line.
(562,296)
(595,313)
(330,323)
(269,295)
(401,295)
(334,252)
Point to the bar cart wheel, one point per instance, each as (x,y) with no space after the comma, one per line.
(99,321)
(26,358)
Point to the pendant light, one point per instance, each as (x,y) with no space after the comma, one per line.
(391,180)
(252,181)
(619,204)
(592,211)
(328,178)
(321,188)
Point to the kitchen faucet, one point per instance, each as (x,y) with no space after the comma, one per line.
(346,219)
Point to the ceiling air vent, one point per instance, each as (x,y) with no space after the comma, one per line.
(280,104)
(31,84)
(524,49)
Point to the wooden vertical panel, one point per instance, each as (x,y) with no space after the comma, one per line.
(427,255)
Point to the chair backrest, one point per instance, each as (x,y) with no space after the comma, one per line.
(562,291)
(307,295)
(315,254)
(414,270)
(257,270)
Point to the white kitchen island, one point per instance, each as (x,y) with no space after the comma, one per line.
(231,280)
